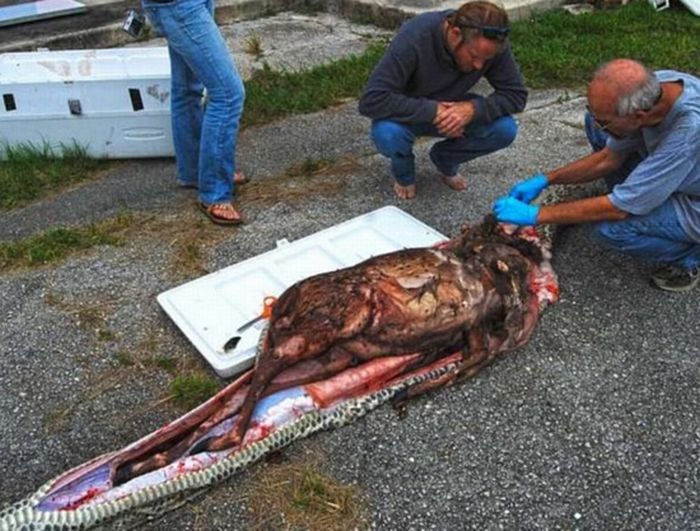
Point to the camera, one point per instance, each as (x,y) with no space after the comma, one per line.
(133,22)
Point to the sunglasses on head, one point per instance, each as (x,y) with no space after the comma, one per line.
(490,32)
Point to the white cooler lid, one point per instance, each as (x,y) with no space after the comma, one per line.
(210,309)
(33,11)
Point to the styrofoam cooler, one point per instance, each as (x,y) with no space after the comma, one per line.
(114,102)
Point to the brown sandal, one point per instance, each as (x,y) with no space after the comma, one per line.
(211,212)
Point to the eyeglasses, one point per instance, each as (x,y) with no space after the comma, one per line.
(604,125)
(495,33)
(600,124)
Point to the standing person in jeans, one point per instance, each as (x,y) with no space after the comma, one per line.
(421,88)
(204,134)
(645,129)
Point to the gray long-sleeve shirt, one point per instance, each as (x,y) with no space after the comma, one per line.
(417,71)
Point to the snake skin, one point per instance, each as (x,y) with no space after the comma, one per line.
(558,193)
(150,503)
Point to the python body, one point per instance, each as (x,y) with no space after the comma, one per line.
(122,489)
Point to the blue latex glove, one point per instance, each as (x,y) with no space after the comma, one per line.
(510,210)
(530,188)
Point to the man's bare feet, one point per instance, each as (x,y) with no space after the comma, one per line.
(456,182)
(405,192)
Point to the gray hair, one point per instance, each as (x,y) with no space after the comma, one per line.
(642,97)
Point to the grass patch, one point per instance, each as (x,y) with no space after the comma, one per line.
(271,95)
(309,178)
(89,316)
(253,46)
(191,390)
(303,498)
(124,358)
(166,363)
(554,49)
(309,166)
(104,334)
(31,172)
(56,244)
(557,49)
(187,256)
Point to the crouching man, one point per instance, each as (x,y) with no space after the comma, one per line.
(421,88)
(645,128)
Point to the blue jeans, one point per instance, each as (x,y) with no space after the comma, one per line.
(204,135)
(395,141)
(657,237)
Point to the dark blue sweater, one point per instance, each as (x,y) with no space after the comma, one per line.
(417,71)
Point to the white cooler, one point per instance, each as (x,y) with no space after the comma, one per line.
(113,102)
(210,310)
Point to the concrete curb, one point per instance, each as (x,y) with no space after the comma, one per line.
(381,13)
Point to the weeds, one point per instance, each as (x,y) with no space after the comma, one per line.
(166,363)
(309,166)
(271,95)
(253,46)
(31,171)
(193,389)
(557,49)
(311,177)
(304,498)
(124,358)
(554,49)
(56,244)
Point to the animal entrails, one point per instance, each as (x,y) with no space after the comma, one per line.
(340,345)
(465,294)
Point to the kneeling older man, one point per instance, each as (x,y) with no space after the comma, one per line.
(645,128)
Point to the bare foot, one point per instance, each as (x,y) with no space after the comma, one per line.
(456,182)
(222,213)
(405,192)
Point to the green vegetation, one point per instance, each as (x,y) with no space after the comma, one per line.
(271,95)
(557,49)
(253,46)
(305,498)
(31,172)
(56,244)
(309,166)
(166,363)
(124,358)
(191,390)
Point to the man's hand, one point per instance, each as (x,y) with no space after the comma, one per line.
(510,210)
(530,188)
(452,117)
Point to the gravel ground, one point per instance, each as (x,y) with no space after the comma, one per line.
(592,425)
